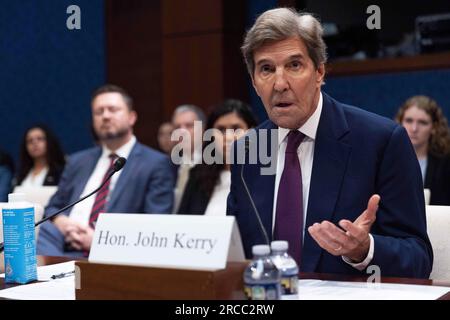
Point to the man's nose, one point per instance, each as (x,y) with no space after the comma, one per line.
(106,114)
(281,84)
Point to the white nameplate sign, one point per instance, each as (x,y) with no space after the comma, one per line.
(166,240)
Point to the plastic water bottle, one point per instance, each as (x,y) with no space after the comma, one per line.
(287,266)
(19,240)
(261,277)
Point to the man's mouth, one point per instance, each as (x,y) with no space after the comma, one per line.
(282,104)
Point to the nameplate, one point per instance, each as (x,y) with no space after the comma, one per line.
(166,240)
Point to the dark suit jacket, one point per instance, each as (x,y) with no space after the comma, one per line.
(437,179)
(357,154)
(51,179)
(194,200)
(144,186)
(53,176)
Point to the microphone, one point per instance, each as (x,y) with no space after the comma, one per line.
(255,210)
(117,166)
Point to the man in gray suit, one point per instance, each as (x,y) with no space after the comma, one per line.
(144,185)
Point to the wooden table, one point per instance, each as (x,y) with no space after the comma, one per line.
(42,260)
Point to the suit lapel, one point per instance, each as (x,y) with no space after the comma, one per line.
(263,184)
(125,176)
(331,155)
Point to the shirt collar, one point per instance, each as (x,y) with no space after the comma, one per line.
(309,128)
(123,151)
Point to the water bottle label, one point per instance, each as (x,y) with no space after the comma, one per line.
(20,247)
(289,284)
(269,291)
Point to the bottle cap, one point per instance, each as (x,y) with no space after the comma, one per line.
(261,249)
(16,197)
(279,245)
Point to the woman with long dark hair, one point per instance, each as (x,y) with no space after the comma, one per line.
(41,158)
(209,184)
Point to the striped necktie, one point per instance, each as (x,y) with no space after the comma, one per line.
(102,195)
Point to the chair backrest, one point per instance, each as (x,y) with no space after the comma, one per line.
(40,195)
(438,225)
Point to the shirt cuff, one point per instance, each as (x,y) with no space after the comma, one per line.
(363,264)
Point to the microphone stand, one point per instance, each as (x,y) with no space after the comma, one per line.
(255,209)
(120,162)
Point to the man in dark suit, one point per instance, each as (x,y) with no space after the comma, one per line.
(144,185)
(339,196)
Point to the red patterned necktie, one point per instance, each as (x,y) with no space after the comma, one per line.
(102,195)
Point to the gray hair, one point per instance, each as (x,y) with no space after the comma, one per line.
(190,107)
(280,24)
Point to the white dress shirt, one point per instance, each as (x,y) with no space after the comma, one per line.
(423,162)
(81,211)
(35,180)
(305,154)
(217,205)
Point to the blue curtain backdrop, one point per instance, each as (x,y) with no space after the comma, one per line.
(385,93)
(47,72)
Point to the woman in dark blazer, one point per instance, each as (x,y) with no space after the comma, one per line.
(208,184)
(428,130)
(41,158)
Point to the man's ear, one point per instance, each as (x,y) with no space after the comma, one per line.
(133,117)
(254,86)
(320,73)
